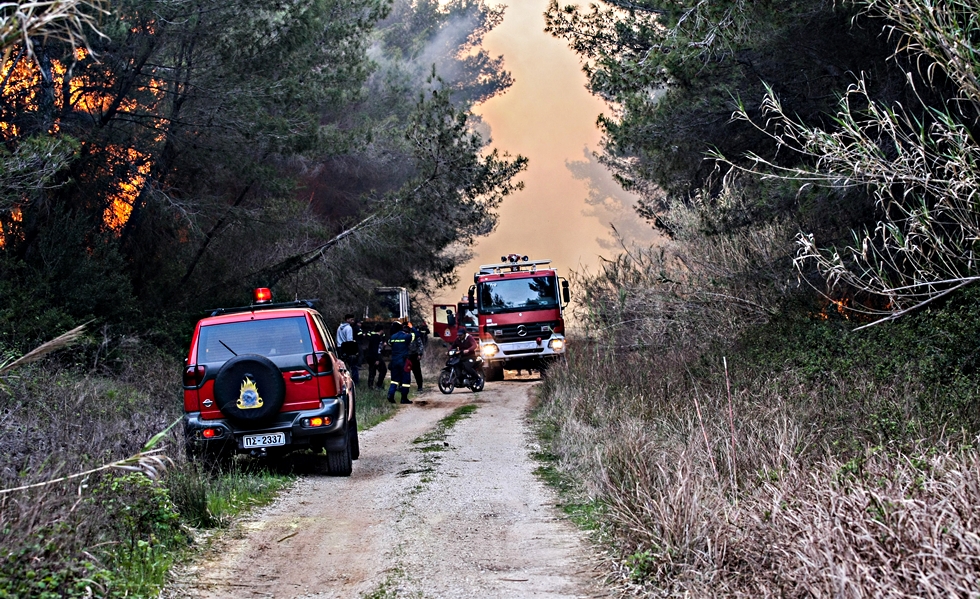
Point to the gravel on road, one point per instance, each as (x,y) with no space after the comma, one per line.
(430,511)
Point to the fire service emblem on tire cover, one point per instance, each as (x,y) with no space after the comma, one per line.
(248,397)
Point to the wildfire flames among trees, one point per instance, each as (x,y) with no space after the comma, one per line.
(810,164)
(161,157)
(200,147)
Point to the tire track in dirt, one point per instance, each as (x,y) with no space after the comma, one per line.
(460,516)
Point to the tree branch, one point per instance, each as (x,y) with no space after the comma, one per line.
(300,261)
(209,237)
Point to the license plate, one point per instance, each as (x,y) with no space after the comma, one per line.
(266,440)
(525,345)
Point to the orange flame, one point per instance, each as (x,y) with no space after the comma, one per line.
(21,95)
(16,216)
(122,199)
(841,306)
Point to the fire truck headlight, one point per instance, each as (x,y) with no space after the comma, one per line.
(557,344)
(490,350)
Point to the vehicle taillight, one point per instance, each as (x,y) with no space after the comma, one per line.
(193,376)
(262,295)
(319,363)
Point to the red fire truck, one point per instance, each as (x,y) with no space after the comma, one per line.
(516,309)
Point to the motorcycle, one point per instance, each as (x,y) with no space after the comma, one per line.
(453,375)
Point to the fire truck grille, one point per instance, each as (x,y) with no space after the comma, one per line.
(522,332)
(536,350)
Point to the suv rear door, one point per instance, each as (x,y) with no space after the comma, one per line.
(331,386)
(284,340)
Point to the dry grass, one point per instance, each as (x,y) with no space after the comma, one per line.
(795,496)
(815,462)
(57,419)
(60,342)
(898,526)
(54,420)
(69,21)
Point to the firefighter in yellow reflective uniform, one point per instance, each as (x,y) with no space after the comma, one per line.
(400,366)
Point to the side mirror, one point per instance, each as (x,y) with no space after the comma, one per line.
(470,297)
(565,296)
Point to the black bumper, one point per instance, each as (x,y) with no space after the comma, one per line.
(524,362)
(229,435)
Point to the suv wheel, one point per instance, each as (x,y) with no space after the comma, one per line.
(242,382)
(339,463)
(355,447)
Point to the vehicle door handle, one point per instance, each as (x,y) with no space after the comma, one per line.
(296,378)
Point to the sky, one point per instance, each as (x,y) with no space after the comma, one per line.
(564,211)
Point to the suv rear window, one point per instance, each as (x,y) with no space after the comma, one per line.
(271,337)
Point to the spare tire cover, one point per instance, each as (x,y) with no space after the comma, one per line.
(249,389)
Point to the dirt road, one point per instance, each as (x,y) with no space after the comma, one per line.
(428,512)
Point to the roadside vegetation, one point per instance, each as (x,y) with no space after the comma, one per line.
(730,424)
(113,533)
(155,166)
(825,459)
(116,532)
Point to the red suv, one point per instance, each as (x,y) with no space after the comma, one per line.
(266,379)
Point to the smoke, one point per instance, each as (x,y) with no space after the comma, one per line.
(421,38)
(610,204)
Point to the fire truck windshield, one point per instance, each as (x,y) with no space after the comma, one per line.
(510,295)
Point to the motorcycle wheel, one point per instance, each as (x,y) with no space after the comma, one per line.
(477,385)
(447,381)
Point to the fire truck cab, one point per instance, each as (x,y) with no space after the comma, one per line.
(518,306)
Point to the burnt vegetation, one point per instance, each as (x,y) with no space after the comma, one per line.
(731,424)
(161,158)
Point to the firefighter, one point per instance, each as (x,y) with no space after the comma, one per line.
(376,363)
(423,332)
(467,346)
(416,349)
(400,365)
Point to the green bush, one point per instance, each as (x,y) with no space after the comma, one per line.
(142,535)
(189,490)
(117,541)
(21,575)
(932,354)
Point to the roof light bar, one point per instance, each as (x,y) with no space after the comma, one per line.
(513,262)
(307,303)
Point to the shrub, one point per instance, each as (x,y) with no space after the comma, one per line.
(189,490)
(832,441)
(104,535)
(113,537)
